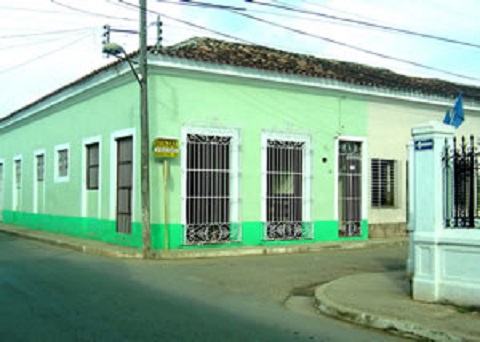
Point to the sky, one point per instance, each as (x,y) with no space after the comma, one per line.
(46,44)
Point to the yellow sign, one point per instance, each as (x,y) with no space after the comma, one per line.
(166,147)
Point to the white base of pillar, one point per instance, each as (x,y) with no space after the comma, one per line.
(424,290)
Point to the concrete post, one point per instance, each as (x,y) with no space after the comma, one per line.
(410,206)
(428,219)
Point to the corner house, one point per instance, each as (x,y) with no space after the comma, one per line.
(274,148)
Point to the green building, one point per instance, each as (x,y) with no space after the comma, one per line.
(273,150)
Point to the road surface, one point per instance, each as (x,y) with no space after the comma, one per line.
(53,294)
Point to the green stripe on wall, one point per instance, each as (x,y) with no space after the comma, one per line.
(105,230)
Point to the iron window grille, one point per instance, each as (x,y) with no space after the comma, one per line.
(210,189)
(93,166)
(350,188)
(62,162)
(384,183)
(286,197)
(40,168)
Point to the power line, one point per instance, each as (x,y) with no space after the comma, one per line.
(79,10)
(280,5)
(48,33)
(69,36)
(34,10)
(36,58)
(357,48)
(350,46)
(277,14)
(187,23)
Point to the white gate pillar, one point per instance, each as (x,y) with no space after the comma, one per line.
(427,220)
(410,207)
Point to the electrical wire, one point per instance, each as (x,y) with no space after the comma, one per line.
(281,5)
(357,48)
(33,10)
(36,58)
(8,47)
(276,14)
(350,46)
(187,23)
(48,33)
(79,10)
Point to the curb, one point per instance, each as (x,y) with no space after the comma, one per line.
(95,248)
(396,326)
(79,247)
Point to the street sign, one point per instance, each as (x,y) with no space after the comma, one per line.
(422,145)
(166,147)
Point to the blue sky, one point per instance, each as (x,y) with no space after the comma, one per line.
(44,45)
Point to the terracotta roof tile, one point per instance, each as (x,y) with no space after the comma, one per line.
(260,57)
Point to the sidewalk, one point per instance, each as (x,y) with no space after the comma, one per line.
(383,301)
(111,250)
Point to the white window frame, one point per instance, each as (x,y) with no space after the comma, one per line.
(306,170)
(88,141)
(17,196)
(234,171)
(365,174)
(124,133)
(35,178)
(57,178)
(395,183)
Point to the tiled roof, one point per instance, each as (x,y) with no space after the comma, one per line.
(263,58)
(260,57)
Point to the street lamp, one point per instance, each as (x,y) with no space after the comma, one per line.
(117,50)
(113,49)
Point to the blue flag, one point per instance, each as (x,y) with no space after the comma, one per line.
(455,116)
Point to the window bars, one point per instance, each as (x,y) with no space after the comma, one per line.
(384,183)
(208,189)
(285,196)
(461,182)
(350,188)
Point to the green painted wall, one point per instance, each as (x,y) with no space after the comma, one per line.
(175,102)
(97,112)
(252,108)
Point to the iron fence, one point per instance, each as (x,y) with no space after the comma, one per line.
(461,184)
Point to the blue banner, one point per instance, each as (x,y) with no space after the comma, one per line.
(455,116)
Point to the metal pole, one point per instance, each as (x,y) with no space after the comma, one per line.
(165,188)
(144,132)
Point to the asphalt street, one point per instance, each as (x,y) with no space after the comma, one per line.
(52,294)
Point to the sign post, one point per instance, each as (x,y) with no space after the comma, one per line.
(165,148)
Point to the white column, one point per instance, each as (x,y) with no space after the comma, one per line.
(410,206)
(428,217)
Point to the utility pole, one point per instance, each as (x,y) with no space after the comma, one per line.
(144,132)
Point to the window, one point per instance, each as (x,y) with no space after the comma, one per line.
(40,167)
(62,163)
(286,187)
(18,174)
(92,166)
(384,183)
(210,200)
